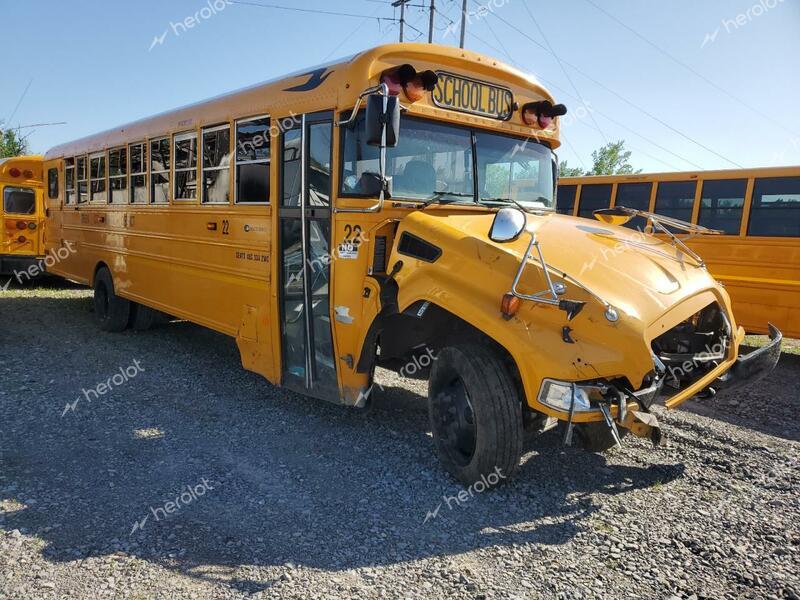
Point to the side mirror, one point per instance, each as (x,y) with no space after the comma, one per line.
(508,225)
(371,184)
(380,119)
(613,216)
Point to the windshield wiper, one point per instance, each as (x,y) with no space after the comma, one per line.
(543,199)
(437,198)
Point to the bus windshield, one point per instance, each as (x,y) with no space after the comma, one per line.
(435,160)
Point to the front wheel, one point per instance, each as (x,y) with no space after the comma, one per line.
(476,415)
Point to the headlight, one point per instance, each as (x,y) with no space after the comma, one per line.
(558,394)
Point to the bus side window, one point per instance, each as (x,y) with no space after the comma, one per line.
(565,200)
(137,154)
(675,199)
(83,180)
(252,161)
(593,197)
(721,204)
(97,178)
(69,181)
(52,184)
(636,196)
(776,207)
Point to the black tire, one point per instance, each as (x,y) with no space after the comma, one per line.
(596,436)
(111,311)
(471,389)
(142,317)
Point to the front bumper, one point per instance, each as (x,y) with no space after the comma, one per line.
(752,366)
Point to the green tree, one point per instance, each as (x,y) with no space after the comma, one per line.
(11,144)
(566,171)
(612,159)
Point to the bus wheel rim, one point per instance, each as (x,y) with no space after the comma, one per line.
(459,422)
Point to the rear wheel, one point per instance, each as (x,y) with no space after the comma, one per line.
(111,311)
(476,415)
(142,317)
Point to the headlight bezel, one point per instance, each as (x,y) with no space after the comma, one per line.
(557,394)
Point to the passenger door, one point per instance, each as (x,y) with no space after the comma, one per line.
(305,254)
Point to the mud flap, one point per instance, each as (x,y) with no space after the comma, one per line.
(643,425)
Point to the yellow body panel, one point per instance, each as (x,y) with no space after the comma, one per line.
(761,274)
(18,242)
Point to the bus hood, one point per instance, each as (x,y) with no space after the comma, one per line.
(635,272)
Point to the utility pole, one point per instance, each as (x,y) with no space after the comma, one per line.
(430,27)
(402,5)
(463,23)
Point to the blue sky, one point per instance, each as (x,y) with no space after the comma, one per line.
(90,63)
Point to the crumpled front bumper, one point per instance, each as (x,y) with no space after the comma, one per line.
(752,366)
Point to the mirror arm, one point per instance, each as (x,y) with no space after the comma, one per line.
(383,90)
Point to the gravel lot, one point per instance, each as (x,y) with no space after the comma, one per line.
(294,498)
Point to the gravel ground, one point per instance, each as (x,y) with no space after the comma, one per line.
(294,498)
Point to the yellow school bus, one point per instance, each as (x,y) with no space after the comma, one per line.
(21,217)
(367,212)
(757,211)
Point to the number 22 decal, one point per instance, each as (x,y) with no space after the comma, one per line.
(226,227)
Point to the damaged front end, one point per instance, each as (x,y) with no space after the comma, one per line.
(693,351)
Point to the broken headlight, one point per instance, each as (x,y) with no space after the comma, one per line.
(559,395)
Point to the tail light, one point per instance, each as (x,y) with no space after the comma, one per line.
(22,239)
(541,114)
(22,225)
(406,78)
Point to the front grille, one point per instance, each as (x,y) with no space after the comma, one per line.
(694,347)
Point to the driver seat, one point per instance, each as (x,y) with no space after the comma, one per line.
(418,177)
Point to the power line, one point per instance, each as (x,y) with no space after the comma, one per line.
(351,34)
(691,69)
(21,98)
(563,70)
(618,123)
(40,125)
(618,95)
(312,10)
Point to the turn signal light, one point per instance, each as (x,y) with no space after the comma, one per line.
(542,113)
(406,78)
(510,305)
